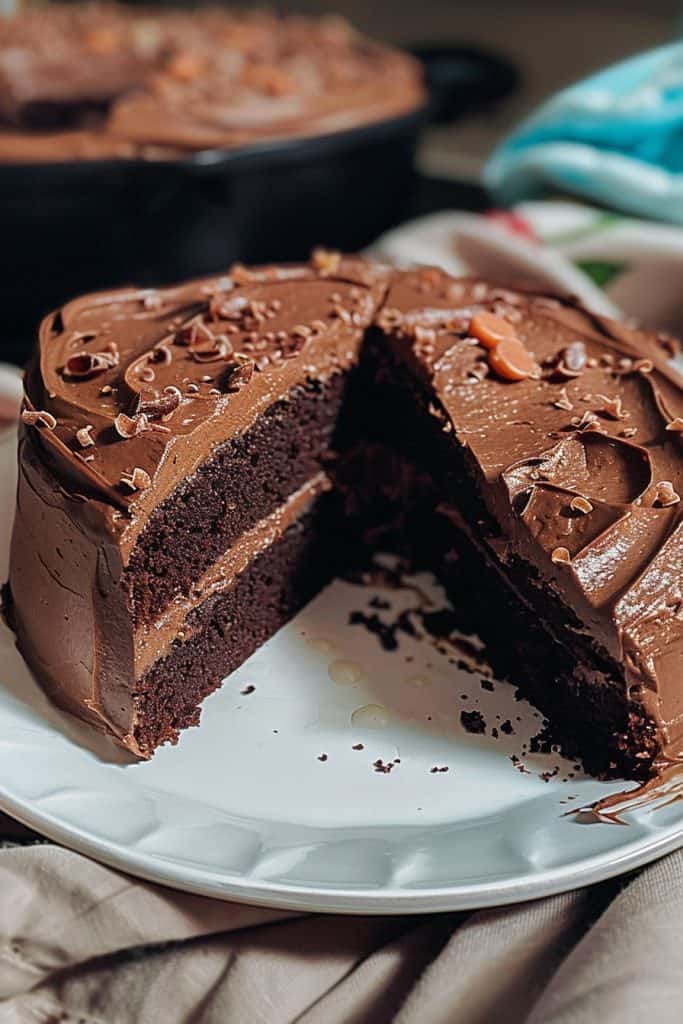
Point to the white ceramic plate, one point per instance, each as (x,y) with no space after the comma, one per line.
(243,808)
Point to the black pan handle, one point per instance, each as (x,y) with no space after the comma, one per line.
(463,78)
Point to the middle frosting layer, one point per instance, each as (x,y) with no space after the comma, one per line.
(152,639)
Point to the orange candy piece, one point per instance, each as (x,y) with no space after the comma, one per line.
(512,361)
(490,329)
(507,355)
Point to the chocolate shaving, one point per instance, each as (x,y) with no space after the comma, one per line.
(560,556)
(580,504)
(666,495)
(587,421)
(138,480)
(161,355)
(563,402)
(325,261)
(38,418)
(192,333)
(676,424)
(612,407)
(204,350)
(155,406)
(479,371)
(84,365)
(239,376)
(130,426)
(84,438)
(343,314)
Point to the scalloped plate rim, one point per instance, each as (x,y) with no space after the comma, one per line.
(385,900)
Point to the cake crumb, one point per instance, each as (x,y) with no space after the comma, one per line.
(473,721)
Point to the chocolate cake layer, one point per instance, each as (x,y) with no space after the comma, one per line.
(93,81)
(542,446)
(230,625)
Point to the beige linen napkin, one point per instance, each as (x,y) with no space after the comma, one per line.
(82,943)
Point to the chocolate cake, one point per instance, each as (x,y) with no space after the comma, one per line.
(104,81)
(196,462)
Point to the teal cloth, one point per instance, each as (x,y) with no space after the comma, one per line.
(615,138)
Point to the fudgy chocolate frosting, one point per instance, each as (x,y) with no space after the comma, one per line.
(90,81)
(578,459)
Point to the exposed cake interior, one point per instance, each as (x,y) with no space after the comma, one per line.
(438,519)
